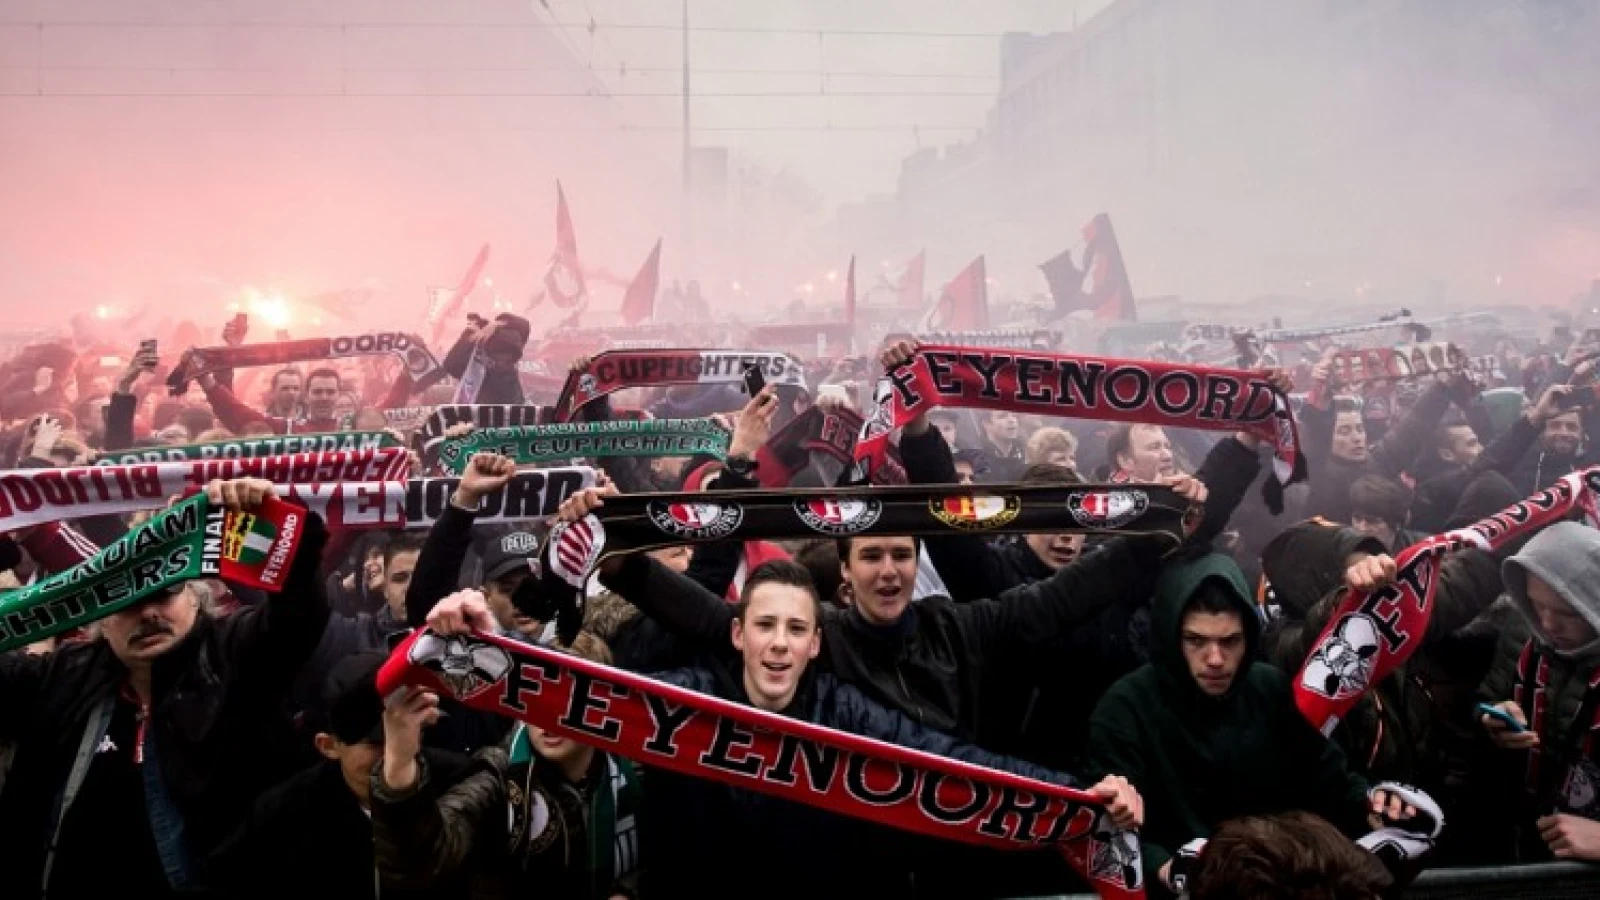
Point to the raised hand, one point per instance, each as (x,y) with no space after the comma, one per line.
(584,502)
(405,714)
(1122,801)
(1371,574)
(460,613)
(897,353)
(239,494)
(485,474)
(754,424)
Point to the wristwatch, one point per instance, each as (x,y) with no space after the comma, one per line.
(743,466)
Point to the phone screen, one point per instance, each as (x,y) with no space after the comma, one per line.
(754,381)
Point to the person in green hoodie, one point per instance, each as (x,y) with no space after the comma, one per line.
(1207,733)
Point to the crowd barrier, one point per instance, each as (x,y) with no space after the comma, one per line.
(1546,881)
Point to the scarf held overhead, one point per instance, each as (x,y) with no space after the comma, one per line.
(532,495)
(1370,634)
(481,415)
(253,447)
(34,496)
(826,432)
(693,734)
(617,370)
(630,523)
(193,539)
(552,443)
(1082,387)
(410,349)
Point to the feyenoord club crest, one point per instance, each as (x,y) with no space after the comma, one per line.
(575,548)
(696,521)
(838,517)
(1106,509)
(975,513)
(468,667)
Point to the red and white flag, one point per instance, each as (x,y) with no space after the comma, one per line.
(1090,275)
(963,305)
(910,287)
(639,303)
(563,277)
(444,308)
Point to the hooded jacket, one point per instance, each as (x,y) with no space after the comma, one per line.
(1197,759)
(1565,556)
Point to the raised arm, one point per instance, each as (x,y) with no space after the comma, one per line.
(968,564)
(231,411)
(439,563)
(1031,621)
(423,831)
(271,641)
(1400,447)
(687,610)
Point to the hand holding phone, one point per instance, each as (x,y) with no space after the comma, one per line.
(1500,715)
(233,333)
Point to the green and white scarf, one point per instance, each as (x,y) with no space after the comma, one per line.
(254,447)
(529,444)
(192,539)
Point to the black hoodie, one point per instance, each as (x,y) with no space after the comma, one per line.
(1198,760)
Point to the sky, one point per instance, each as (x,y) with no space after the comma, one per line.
(789,126)
(168,153)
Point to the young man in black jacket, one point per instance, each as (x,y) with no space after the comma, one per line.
(933,661)
(700,838)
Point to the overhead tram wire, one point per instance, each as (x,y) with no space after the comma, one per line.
(795,73)
(621,26)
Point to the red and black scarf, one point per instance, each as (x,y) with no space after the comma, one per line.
(1371,634)
(1082,387)
(617,370)
(693,734)
(1571,759)
(413,353)
(830,433)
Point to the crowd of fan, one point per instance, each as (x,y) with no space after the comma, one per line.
(220,741)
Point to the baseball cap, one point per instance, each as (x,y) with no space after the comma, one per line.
(516,550)
(350,693)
